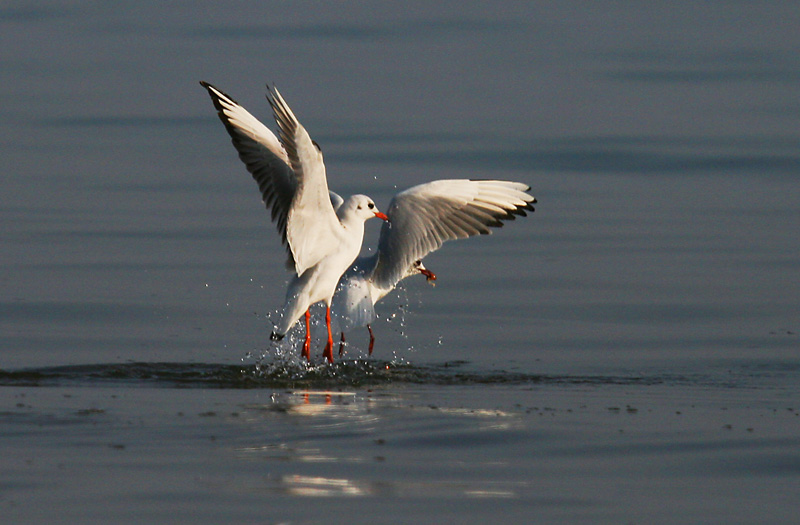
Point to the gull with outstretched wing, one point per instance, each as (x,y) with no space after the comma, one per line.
(321,241)
(421,219)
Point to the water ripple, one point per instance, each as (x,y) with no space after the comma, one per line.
(354,373)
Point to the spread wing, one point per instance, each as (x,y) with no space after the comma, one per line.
(290,174)
(312,227)
(425,216)
(336,200)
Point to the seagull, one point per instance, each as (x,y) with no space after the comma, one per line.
(421,219)
(321,240)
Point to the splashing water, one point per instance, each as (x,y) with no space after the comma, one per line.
(282,361)
(344,374)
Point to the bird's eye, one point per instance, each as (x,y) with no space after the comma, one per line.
(418,262)
(371,205)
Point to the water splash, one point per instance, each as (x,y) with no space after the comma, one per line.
(297,374)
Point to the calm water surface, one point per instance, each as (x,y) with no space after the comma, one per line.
(627,353)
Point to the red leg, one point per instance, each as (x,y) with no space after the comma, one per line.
(371,339)
(328,353)
(341,346)
(307,344)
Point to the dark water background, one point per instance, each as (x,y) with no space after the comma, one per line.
(627,354)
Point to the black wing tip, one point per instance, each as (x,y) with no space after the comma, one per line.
(519,210)
(272,91)
(510,215)
(272,96)
(214,92)
(522,209)
(212,88)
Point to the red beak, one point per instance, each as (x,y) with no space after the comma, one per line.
(382,216)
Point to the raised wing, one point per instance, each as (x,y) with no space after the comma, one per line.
(312,227)
(336,200)
(263,155)
(424,217)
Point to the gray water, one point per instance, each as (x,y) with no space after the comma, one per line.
(626,354)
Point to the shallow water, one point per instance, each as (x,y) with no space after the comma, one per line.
(627,353)
(175,443)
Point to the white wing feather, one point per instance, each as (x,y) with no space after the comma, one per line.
(425,216)
(312,224)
